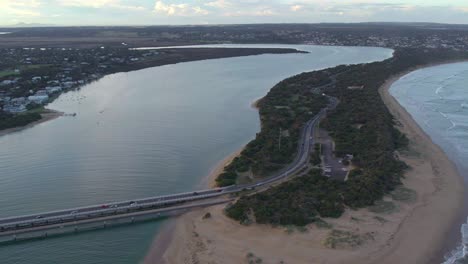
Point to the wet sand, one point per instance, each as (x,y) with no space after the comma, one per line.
(412,233)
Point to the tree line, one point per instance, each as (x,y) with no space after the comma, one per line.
(362,126)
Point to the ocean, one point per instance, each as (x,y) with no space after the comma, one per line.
(437,99)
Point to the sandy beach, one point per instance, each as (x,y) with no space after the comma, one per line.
(412,232)
(46,116)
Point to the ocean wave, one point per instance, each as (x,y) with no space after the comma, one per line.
(454,257)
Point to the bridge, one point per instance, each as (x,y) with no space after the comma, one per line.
(103,215)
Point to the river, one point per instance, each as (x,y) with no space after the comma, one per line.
(144,133)
(437,99)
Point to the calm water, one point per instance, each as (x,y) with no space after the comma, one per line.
(437,98)
(144,133)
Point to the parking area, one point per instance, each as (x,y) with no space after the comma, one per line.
(331,165)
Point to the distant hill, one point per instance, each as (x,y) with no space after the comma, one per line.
(27,25)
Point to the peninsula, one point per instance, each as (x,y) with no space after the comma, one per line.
(396,179)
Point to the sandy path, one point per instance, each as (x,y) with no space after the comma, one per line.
(412,233)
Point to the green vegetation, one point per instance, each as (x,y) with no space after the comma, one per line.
(403,194)
(10,72)
(320,223)
(360,125)
(252,259)
(383,207)
(381,219)
(345,239)
(315,159)
(299,201)
(9,120)
(283,113)
(7,72)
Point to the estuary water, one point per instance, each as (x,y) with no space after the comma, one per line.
(144,133)
(437,99)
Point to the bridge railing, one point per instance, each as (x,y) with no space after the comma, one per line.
(35,218)
(98,213)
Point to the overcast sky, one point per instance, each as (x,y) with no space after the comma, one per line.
(145,12)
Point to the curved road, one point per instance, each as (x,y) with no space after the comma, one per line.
(96,212)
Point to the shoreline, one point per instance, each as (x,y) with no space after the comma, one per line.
(47,115)
(164,239)
(417,234)
(438,156)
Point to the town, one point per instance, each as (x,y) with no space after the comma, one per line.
(32,77)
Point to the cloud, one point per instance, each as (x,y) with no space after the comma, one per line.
(296,8)
(253,13)
(20,8)
(100,4)
(86,3)
(200,11)
(170,9)
(221,4)
(182,9)
(463,9)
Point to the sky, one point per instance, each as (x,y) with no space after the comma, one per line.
(164,12)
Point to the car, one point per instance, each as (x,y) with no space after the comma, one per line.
(114,206)
(74,212)
(104,206)
(39,217)
(133,203)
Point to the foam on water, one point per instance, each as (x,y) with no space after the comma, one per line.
(437,97)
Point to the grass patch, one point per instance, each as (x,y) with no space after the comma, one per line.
(11,72)
(380,219)
(345,239)
(410,152)
(320,223)
(7,72)
(404,194)
(383,207)
(289,229)
(252,259)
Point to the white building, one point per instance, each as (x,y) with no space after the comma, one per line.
(14,108)
(19,100)
(7,82)
(41,92)
(36,79)
(53,89)
(38,99)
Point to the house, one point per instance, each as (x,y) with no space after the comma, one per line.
(15,105)
(4,99)
(356,87)
(19,100)
(68,84)
(53,82)
(41,92)
(53,89)
(14,108)
(38,99)
(7,82)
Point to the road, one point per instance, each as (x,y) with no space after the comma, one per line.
(116,217)
(148,205)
